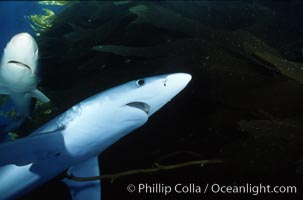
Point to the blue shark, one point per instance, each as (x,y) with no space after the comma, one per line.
(73,140)
(18,72)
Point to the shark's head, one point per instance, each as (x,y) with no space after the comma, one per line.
(21,53)
(134,102)
(116,112)
(148,95)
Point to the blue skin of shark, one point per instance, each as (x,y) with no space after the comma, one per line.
(74,139)
(18,72)
(19,78)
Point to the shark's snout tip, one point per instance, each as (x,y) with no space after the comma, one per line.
(180,77)
(24,39)
(24,35)
(187,77)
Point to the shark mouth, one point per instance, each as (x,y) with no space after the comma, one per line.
(20,64)
(140,105)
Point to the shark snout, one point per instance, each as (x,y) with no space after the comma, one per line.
(177,81)
(166,88)
(22,45)
(22,38)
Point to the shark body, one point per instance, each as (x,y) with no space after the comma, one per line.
(18,72)
(74,139)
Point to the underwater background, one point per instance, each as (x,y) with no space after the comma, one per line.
(242,107)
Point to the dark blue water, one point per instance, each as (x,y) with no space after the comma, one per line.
(13,20)
(13,17)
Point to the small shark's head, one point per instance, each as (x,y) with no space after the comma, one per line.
(21,53)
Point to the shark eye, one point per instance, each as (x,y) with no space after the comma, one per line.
(140,82)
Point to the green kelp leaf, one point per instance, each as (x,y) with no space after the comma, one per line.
(40,23)
(173,48)
(121,2)
(165,18)
(54,3)
(139,9)
(103,22)
(290,69)
(132,51)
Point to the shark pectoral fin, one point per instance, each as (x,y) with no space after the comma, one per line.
(30,149)
(82,190)
(40,96)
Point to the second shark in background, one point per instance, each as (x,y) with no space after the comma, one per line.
(18,72)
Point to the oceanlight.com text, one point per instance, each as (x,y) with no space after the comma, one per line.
(214,188)
(252,189)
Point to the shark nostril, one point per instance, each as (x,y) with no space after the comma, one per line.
(164,83)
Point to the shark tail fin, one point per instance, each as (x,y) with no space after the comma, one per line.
(82,190)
